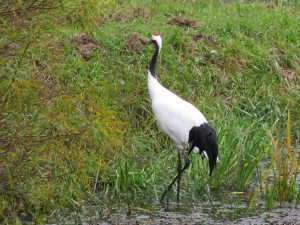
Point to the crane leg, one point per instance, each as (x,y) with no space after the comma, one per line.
(179,167)
(186,165)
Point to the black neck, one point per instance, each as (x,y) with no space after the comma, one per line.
(154,60)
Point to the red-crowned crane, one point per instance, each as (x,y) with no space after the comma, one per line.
(181,121)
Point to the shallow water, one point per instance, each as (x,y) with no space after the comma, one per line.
(194,208)
(223,207)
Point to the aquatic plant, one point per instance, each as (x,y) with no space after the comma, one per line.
(280,185)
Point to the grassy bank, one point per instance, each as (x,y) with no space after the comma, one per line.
(75,113)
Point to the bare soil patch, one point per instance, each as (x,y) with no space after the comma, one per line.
(118,17)
(289,75)
(46,83)
(20,23)
(136,42)
(7,49)
(86,46)
(83,39)
(56,47)
(205,37)
(137,12)
(183,22)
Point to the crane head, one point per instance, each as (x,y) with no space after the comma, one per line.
(156,39)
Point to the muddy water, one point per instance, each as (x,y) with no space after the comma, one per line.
(194,208)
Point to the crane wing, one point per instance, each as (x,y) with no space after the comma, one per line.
(176,118)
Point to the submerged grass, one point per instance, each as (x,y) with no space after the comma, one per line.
(76,114)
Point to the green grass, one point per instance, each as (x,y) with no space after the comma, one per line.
(88,123)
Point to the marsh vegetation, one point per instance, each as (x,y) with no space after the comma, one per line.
(77,133)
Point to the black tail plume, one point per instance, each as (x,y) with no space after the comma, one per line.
(204,137)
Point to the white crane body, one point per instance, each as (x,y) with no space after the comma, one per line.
(173,114)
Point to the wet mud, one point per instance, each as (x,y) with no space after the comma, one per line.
(194,208)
